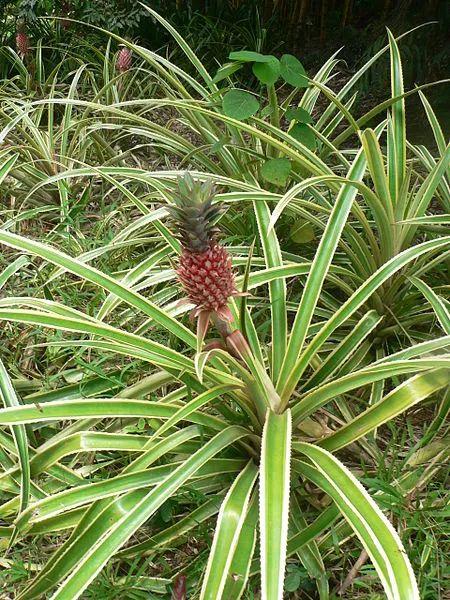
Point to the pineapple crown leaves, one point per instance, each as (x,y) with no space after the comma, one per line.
(194,214)
(21,25)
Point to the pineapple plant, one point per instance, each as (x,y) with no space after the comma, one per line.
(124,59)
(204,268)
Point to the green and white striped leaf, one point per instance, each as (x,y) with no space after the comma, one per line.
(368,375)
(12,268)
(437,303)
(97,556)
(9,398)
(274,502)
(400,399)
(397,139)
(230,521)
(242,559)
(290,372)
(6,167)
(89,273)
(377,535)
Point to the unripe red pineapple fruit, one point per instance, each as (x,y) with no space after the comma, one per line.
(204,268)
(22,43)
(124,59)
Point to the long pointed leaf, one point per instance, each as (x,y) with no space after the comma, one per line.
(324,255)
(377,535)
(10,399)
(400,399)
(274,502)
(96,558)
(228,529)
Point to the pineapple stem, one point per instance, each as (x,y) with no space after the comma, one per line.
(222,326)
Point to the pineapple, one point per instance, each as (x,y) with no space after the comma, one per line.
(22,43)
(123,60)
(204,268)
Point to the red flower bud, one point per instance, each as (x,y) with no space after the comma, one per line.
(124,59)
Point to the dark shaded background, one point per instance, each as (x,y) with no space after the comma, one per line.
(311,29)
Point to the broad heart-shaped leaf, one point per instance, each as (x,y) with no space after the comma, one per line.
(298,114)
(239,105)
(302,232)
(293,72)
(226,70)
(274,502)
(276,170)
(304,134)
(249,56)
(267,72)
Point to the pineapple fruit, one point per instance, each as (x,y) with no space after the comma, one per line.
(22,43)
(124,59)
(204,269)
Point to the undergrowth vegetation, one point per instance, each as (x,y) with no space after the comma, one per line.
(290,443)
